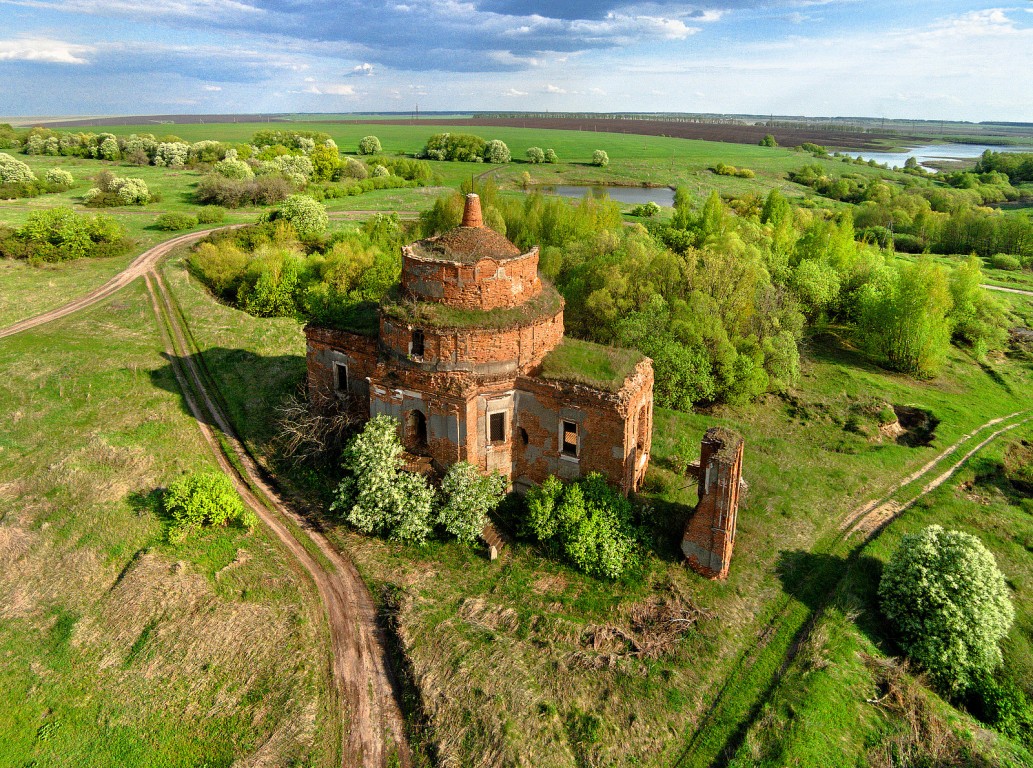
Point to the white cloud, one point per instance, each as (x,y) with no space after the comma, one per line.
(44,50)
(213,88)
(363,69)
(550,88)
(331,89)
(514,92)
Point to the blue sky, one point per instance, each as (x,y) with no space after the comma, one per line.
(913,59)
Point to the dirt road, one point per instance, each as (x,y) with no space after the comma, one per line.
(136,268)
(365,691)
(1007,290)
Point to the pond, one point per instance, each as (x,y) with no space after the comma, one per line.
(633,195)
(935,152)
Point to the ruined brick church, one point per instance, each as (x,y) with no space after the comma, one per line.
(469,356)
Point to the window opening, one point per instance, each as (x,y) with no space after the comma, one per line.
(341,377)
(642,428)
(418,429)
(569,447)
(417,343)
(523,436)
(497,427)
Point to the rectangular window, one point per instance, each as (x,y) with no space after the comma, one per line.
(497,427)
(341,377)
(569,447)
(417,343)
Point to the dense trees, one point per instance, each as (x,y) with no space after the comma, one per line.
(60,234)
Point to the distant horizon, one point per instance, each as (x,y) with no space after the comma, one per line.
(424,114)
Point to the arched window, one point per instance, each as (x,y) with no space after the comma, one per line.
(416,429)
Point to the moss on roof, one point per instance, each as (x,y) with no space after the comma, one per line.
(435,315)
(466,245)
(362,318)
(596,365)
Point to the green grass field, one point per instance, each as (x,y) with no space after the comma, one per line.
(118,647)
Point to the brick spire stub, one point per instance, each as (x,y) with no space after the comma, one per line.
(472,212)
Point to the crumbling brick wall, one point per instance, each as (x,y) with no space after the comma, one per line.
(710,533)
(486,284)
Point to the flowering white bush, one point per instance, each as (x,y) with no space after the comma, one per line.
(943,592)
(172,154)
(379,170)
(306,144)
(59,176)
(369,145)
(600,158)
(377,496)
(108,148)
(307,216)
(496,151)
(13,171)
(297,164)
(468,497)
(550,156)
(535,155)
(131,191)
(233,169)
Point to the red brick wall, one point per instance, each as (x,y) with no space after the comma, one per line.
(487,284)
(710,533)
(358,353)
(489,351)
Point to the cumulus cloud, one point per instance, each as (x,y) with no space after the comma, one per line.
(550,88)
(43,49)
(514,92)
(363,69)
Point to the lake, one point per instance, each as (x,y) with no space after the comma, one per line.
(935,152)
(633,195)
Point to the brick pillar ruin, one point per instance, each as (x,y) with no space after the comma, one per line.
(710,532)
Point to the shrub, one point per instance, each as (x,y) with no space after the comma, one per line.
(369,145)
(232,193)
(949,603)
(496,151)
(721,169)
(587,520)
(467,498)
(294,166)
(535,155)
(174,222)
(171,154)
(768,141)
(646,210)
(201,500)
(464,147)
(233,169)
(380,171)
(600,158)
(354,169)
(1005,261)
(14,171)
(550,156)
(59,177)
(60,234)
(211,214)
(308,217)
(376,496)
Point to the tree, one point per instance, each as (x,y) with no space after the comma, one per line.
(467,498)
(307,216)
(600,158)
(768,141)
(496,151)
(204,499)
(550,156)
(59,177)
(233,169)
(369,145)
(949,603)
(535,155)
(376,496)
(326,161)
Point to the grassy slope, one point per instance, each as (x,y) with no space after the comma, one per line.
(510,637)
(120,649)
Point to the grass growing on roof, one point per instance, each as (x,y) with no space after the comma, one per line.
(597,365)
(545,305)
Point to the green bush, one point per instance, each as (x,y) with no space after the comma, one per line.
(369,145)
(535,155)
(376,496)
(587,521)
(60,234)
(1003,705)
(496,151)
(211,214)
(949,603)
(58,177)
(550,156)
(174,222)
(768,141)
(1005,261)
(14,171)
(646,210)
(600,158)
(201,500)
(464,147)
(467,497)
(307,216)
